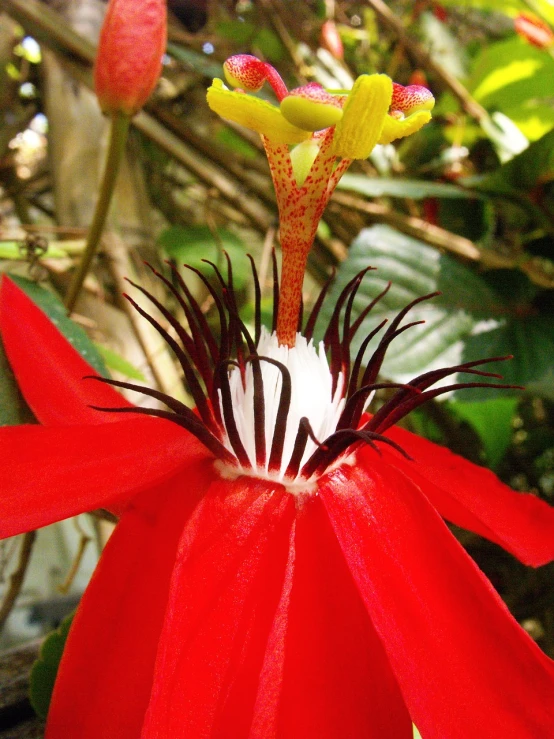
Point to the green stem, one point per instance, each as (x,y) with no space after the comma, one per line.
(118,138)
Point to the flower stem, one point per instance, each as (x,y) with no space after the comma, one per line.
(290,294)
(118,138)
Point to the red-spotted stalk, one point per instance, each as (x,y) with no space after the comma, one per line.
(310,141)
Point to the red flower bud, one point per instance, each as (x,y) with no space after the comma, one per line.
(534,30)
(128,63)
(330,39)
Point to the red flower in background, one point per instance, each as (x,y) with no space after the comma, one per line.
(271,586)
(129,57)
(534,30)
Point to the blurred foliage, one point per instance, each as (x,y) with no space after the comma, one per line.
(465,207)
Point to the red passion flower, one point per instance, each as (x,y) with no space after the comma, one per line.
(281,567)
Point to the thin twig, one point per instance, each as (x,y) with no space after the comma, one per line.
(16,580)
(442,239)
(424,59)
(161,364)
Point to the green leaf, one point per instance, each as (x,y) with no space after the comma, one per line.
(415,269)
(239,32)
(198,62)
(55,310)
(193,244)
(115,361)
(236,143)
(12,250)
(492,421)
(530,339)
(514,77)
(521,174)
(376,187)
(45,669)
(13,409)
(468,321)
(269,45)
(508,7)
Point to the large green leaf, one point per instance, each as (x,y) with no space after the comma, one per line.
(523,173)
(516,78)
(468,321)
(376,187)
(56,311)
(415,269)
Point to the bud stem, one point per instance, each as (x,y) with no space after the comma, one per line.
(119,129)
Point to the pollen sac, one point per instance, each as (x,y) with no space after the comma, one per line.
(411,99)
(245,71)
(311,107)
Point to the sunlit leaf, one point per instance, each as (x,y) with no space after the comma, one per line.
(376,187)
(516,78)
(12,250)
(115,361)
(492,421)
(508,7)
(193,244)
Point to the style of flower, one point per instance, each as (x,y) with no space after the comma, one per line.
(129,59)
(329,132)
(281,568)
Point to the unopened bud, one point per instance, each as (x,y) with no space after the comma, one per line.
(534,30)
(330,39)
(128,64)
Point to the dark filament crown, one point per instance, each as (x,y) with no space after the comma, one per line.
(207,358)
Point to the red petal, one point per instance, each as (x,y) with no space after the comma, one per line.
(463,664)
(224,592)
(474,498)
(48,369)
(47,474)
(105,677)
(266,634)
(325,674)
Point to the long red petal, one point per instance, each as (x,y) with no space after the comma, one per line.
(474,498)
(48,369)
(224,592)
(463,664)
(325,673)
(105,676)
(47,474)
